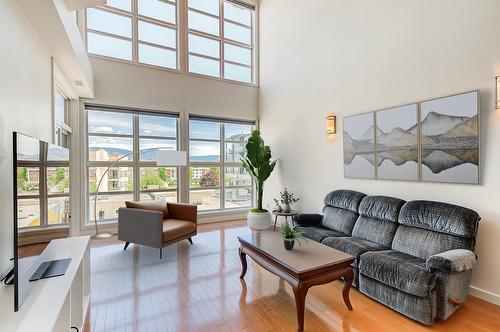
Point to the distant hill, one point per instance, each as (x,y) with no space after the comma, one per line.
(466,128)
(214,157)
(437,124)
(397,137)
(368,135)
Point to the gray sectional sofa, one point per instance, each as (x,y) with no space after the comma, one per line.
(415,257)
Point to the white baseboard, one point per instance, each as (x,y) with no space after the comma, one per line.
(485,295)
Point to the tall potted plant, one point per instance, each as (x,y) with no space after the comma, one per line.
(257,162)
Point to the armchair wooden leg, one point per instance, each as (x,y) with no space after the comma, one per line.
(126,246)
(190,240)
(161,253)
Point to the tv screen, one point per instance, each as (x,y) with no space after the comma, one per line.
(41,199)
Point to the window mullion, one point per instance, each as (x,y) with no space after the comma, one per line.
(135,158)
(222,160)
(221,42)
(135,32)
(42,183)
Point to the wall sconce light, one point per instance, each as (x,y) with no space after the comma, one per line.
(331,124)
(497,94)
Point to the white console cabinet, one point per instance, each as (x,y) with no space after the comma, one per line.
(53,304)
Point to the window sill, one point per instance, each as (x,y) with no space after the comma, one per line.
(40,235)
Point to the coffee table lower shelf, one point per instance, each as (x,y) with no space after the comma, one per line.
(299,282)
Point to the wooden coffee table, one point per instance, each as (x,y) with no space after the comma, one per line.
(308,265)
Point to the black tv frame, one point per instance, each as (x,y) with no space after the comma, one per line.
(16,223)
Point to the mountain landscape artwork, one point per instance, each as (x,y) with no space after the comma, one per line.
(439,143)
(359,146)
(397,143)
(450,139)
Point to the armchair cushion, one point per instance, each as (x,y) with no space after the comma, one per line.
(457,260)
(174,228)
(181,211)
(151,205)
(308,219)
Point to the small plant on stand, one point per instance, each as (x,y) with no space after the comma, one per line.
(290,235)
(287,199)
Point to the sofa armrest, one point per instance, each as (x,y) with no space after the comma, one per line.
(180,211)
(308,219)
(457,260)
(140,226)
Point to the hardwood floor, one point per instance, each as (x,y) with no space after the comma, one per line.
(197,288)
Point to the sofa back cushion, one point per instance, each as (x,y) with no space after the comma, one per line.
(378,219)
(428,228)
(341,210)
(152,205)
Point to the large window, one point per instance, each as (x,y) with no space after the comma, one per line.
(219,35)
(140,31)
(221,39)
(217,181)
(126,142)
(42,184)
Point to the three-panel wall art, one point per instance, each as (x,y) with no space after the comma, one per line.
(434,140)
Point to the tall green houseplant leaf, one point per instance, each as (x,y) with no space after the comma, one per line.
(257,162)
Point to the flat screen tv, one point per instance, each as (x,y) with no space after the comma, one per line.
(31,161)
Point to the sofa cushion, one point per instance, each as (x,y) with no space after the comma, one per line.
(381,207)
(377,220)
(353,246)
(424,243)
(399,270)
(344,199)
(440,217)
(341,210)
(174,228)
(151,205)
(339,220)
(318,233)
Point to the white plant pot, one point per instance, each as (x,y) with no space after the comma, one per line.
(259,220)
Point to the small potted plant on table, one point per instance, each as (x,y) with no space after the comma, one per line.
(257,162)
(287,199)
(290,235)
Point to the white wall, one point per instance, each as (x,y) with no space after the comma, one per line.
(123,84)
(350,57)
(25,104)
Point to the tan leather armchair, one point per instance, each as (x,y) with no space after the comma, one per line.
(156,224)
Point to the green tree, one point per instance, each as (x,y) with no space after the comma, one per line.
(150,180)
(22,174)
(163,174)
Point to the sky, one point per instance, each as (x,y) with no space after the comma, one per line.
(151,125)
(404,117)
(357,125)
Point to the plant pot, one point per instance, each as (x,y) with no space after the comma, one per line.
(259,220)
(287,208)
(278,208)
(288,243)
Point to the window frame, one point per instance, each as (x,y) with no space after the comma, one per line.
(222,40)
(135,164)
(64,128)
(182,49)
(135,18)
(43,196)
(221,164)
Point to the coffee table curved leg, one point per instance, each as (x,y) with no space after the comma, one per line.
(243,259)
(348,277)
(300,299)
